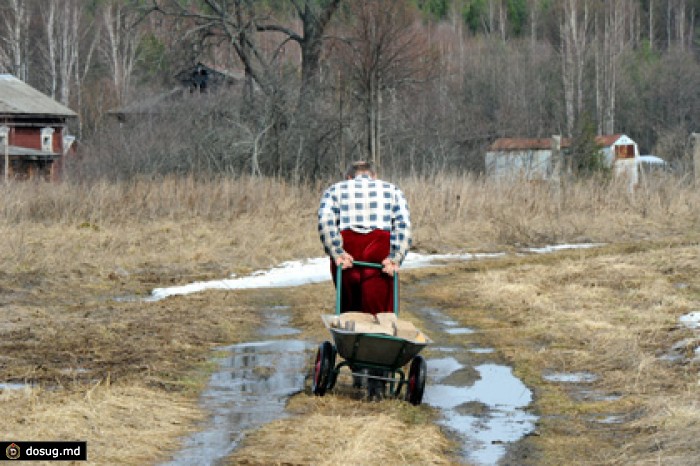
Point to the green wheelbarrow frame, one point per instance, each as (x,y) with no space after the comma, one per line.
(372,351)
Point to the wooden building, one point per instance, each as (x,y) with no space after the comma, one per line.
(197,80)
(534,159)
(33,132)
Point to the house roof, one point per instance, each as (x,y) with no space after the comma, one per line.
(19,98)
(219,74)
(607,140)
(513,144)
(505,144)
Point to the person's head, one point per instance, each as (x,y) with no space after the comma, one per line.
(360,167)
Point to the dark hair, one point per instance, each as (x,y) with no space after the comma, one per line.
(359,167)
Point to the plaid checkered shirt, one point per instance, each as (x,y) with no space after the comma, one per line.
(363,205)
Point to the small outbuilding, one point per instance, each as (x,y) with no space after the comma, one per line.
(202,77)
(196,80)
(33,132)
(534,159)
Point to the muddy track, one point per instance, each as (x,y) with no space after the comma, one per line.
(480,405)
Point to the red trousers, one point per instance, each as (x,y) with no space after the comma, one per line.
(366,289)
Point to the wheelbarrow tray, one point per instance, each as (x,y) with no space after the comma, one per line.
(373,349)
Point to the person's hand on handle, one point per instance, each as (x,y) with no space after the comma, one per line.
(389,267)
(344,260)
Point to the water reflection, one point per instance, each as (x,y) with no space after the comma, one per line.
(250,389)
(486,411)
(505,421)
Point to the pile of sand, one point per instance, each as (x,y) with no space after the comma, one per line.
(386,323)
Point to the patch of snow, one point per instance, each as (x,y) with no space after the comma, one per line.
(562,247)
(317,270)
(691,320)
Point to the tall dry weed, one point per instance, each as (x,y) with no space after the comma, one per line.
(448,211)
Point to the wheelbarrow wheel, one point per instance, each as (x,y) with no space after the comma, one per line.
(323,368)
(416,381)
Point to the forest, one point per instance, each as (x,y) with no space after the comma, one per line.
(417,86)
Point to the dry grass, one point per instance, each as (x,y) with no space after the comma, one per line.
(612,313)
(335,430)
(68,251)
(124,424)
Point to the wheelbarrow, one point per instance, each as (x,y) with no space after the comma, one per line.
(376,353)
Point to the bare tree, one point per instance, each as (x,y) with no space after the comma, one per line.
(49,17)
(14,38)
(62,21)
(611,40)
(240,23)
(121,44)
(385,54)
(575,38)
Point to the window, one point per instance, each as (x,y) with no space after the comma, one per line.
(4,136)
(624,152)
(47,139)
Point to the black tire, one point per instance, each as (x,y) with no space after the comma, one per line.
(415,385)
(323,368)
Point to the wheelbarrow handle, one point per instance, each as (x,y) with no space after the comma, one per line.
(339,284)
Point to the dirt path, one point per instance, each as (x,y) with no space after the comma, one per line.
(478,402)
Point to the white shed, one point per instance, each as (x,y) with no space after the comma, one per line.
(531,159)
(520,158)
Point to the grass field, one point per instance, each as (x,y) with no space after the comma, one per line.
(104,366)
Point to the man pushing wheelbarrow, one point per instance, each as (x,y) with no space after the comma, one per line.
(364,225)
(365,219)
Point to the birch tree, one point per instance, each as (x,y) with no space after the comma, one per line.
(612,37)
(120,47)
(62,21)
(14,38)
(49,18)
(575,35)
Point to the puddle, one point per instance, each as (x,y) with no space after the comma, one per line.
(9,386)
(570,377)
(609,419)
(279,324)
(595,395)
(250,389)
(444,349)
(483,407)
(439,369)
(672,358)
(459,331)
(485,435)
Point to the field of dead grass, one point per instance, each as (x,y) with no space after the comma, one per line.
(112,369)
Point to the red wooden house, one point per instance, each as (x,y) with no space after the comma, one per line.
(33,134)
